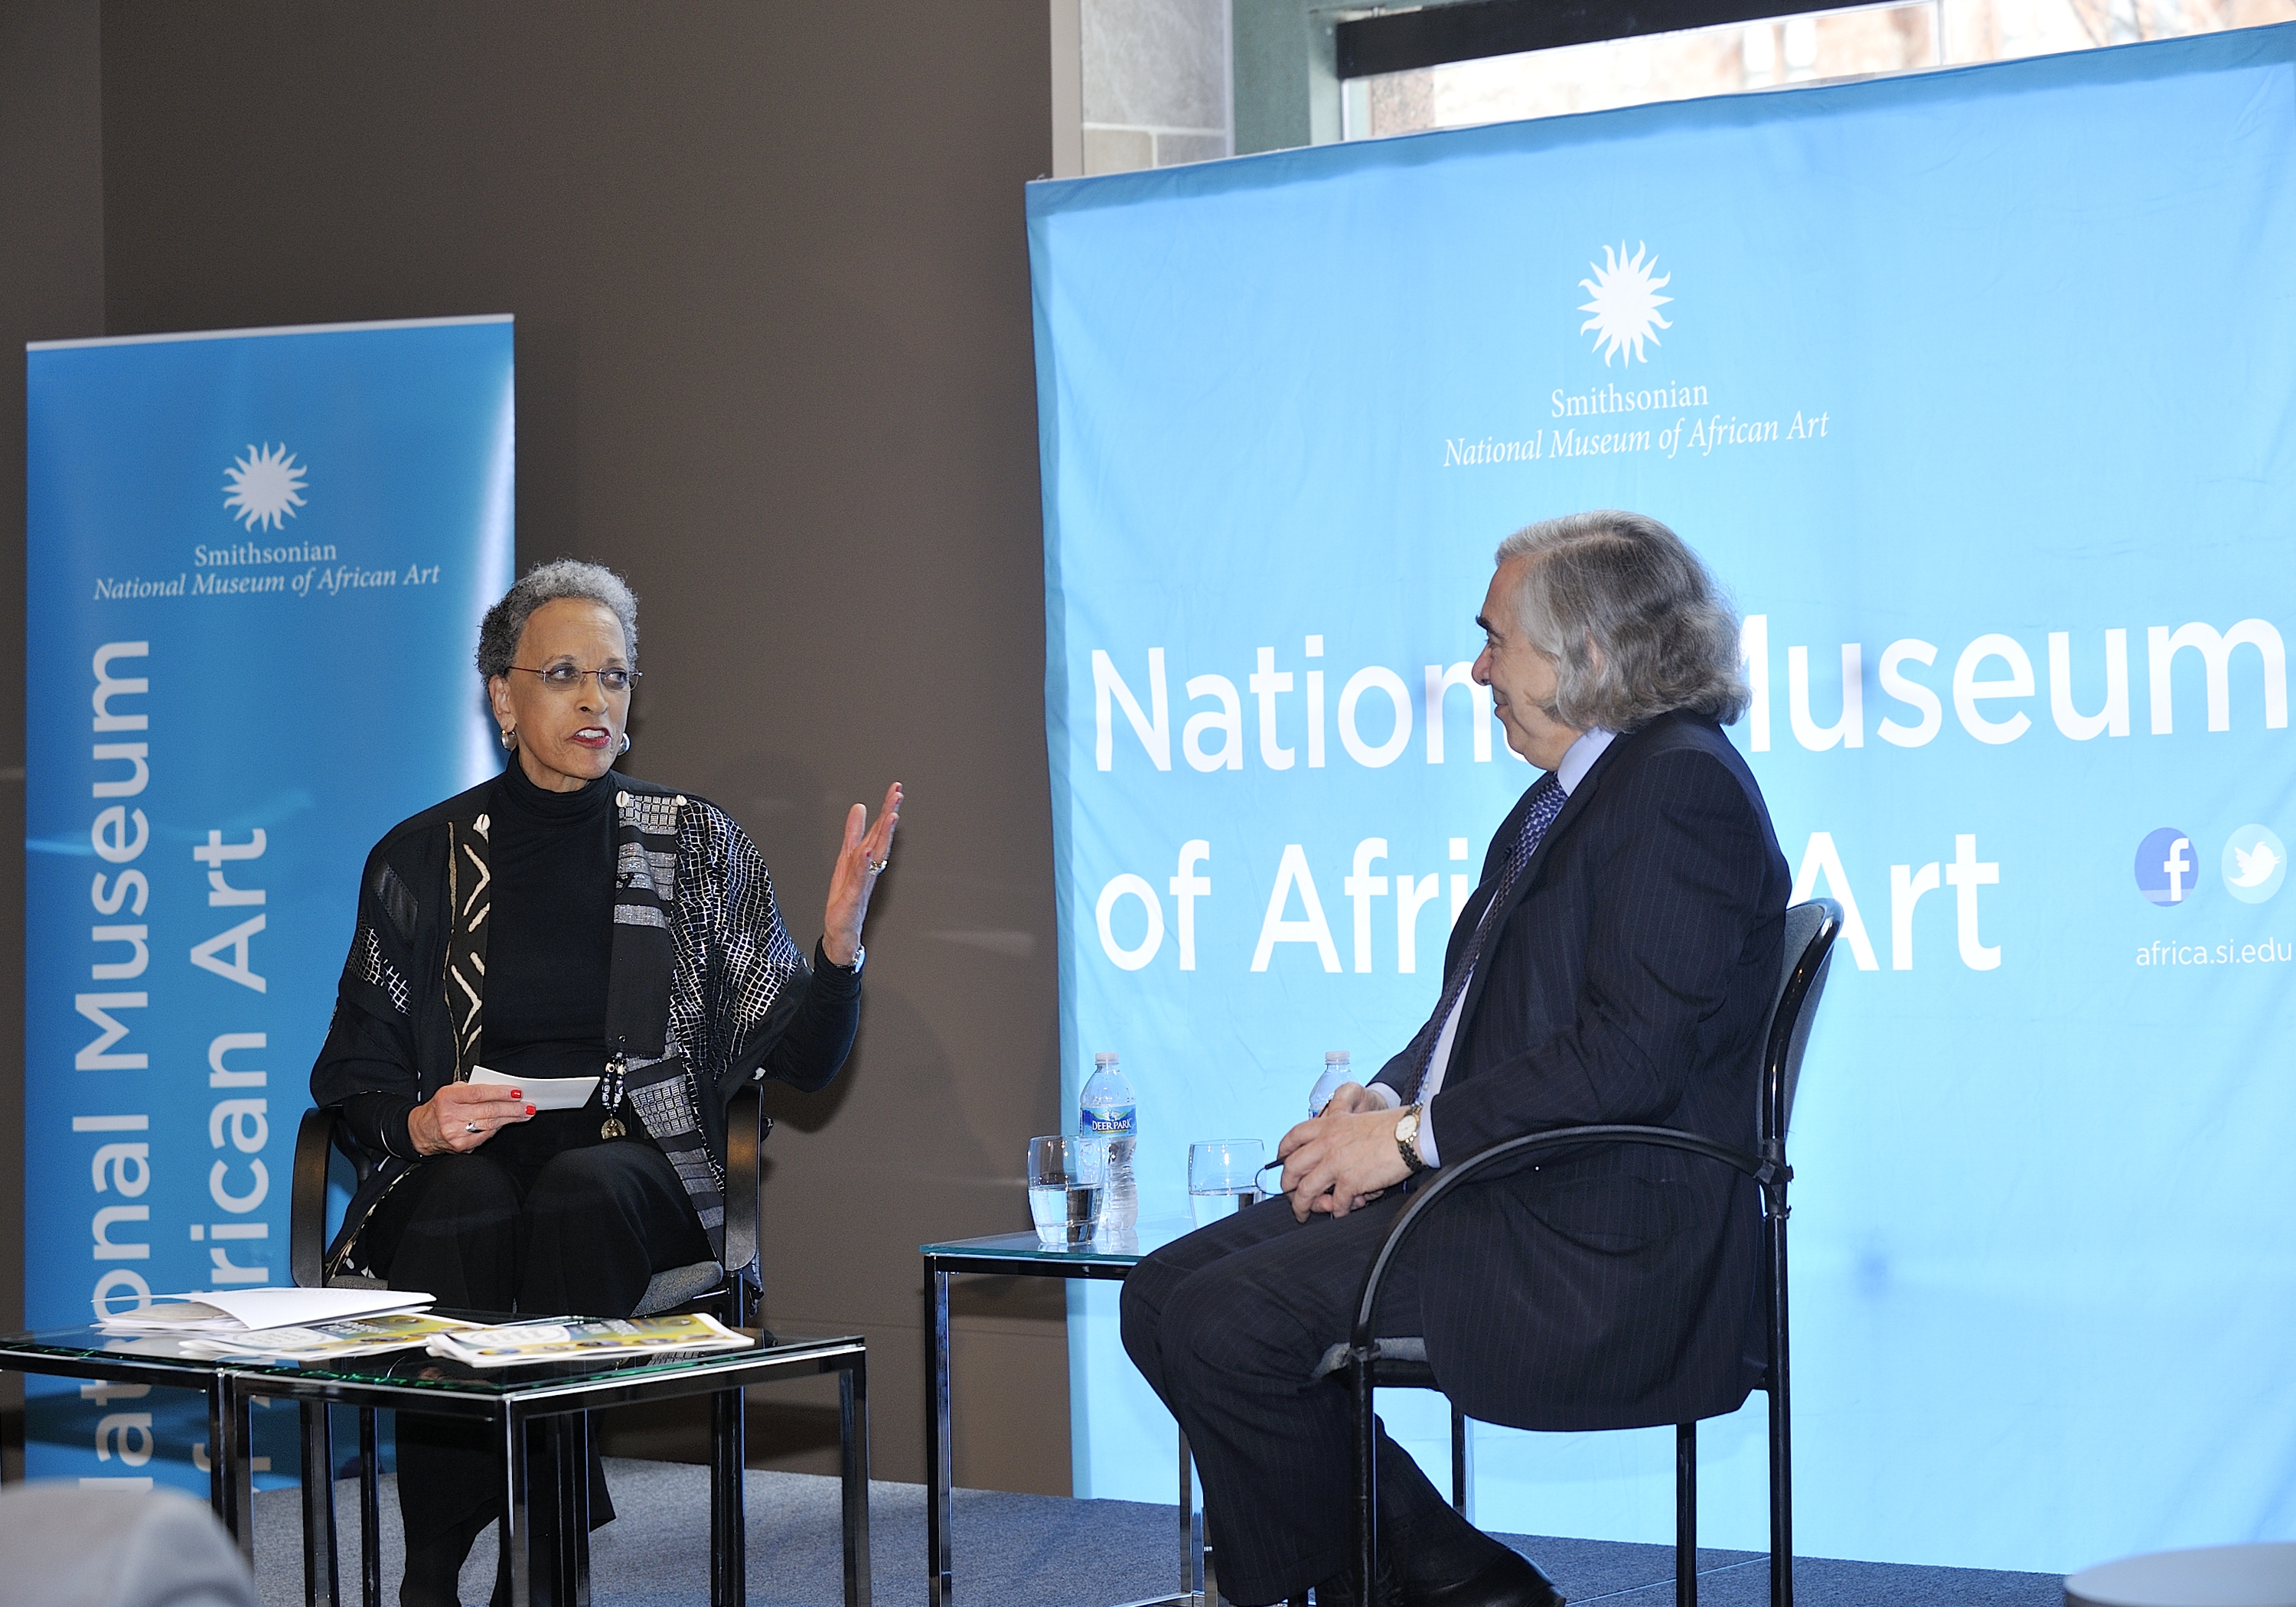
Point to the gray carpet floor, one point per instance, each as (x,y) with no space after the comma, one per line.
(1038,1551)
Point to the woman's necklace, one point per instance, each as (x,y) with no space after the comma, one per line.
(617,1069)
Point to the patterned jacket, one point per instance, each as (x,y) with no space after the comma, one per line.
(705,990)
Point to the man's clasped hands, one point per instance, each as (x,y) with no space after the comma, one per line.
(1345,1157)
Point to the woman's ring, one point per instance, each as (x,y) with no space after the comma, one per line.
(877,866)
(470,1126)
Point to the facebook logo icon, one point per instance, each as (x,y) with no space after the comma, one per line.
(2167,869)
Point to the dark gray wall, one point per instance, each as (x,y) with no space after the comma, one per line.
(773,350)
(50,288)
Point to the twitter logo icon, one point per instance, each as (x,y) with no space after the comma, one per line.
(2255,864)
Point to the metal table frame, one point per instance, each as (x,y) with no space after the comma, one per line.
(559,1404)
(1021,1258)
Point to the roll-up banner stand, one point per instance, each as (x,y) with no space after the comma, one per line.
(257,558)
(1978,388)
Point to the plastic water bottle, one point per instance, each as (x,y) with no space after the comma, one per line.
(1335,1072)
(1107,1109)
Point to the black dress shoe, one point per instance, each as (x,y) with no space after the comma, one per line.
(1507,1580)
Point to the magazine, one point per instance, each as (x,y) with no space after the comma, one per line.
(605,1339)
(330,1341)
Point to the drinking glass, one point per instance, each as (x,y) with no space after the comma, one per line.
(1066,1175)
(1223,1177)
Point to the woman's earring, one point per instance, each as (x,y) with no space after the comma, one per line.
(626,742)
(509,738)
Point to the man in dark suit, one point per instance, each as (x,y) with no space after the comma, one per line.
(1616,965)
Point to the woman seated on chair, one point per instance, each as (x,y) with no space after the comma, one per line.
(562,920)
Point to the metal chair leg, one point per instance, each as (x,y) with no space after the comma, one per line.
(1459,1465)
(1190,1555)
(1780,1410)
(1781,1494)
(1367,1471)
(1685,1515)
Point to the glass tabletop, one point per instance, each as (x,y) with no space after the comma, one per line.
(1107,1250)
(413,1368)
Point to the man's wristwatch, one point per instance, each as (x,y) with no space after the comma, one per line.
(1406,1139)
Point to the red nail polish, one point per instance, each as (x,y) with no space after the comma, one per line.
(529,1109)
(518,1092)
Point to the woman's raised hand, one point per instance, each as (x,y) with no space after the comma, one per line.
(860,862)
(461,1116)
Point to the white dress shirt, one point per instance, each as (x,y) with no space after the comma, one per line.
(1568,775)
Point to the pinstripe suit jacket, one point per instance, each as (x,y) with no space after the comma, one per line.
(1629,980)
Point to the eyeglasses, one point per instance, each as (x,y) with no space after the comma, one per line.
(565,677)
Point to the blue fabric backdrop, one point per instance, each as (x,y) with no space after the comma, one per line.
(258,561)
(1976,388)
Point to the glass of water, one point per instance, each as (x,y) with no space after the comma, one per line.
(1066,1175)
(1223,1177)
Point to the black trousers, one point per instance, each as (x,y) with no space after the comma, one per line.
(580,1233)
(1227,1325)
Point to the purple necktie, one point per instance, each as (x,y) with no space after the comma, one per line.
(1546,799)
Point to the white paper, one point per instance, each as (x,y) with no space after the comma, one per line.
(543,1092)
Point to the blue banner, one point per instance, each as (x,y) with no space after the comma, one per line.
(258,561)
(1977,388)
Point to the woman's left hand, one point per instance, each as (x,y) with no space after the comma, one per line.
(859,863)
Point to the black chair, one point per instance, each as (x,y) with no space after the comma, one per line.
(1373,1363)
(722,1289)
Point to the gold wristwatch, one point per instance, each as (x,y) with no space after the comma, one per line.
(1406,1139)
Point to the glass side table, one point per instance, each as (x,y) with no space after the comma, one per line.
(554,1393)
(1020,1255)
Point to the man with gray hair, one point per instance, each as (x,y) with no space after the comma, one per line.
(1616,965)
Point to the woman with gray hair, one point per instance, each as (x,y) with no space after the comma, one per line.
(562,920)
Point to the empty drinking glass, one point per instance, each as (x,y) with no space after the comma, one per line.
(1066,1175)
(1223,1177)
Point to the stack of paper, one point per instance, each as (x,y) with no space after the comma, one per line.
(213,1312)
(605,1340)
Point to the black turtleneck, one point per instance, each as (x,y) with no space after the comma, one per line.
(553,858)
(552,855)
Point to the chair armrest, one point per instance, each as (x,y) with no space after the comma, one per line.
(1448,1178)
(746,1125)
(307,1209)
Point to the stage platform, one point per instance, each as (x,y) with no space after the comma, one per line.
(1041,1551)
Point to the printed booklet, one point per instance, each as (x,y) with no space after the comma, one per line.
(511,1343)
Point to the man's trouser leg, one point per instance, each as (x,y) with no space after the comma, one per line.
(1227,1325)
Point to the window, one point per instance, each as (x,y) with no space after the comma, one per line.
(1832,46)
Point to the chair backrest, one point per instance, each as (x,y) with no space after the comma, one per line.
(307,1211)
(1811,928)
